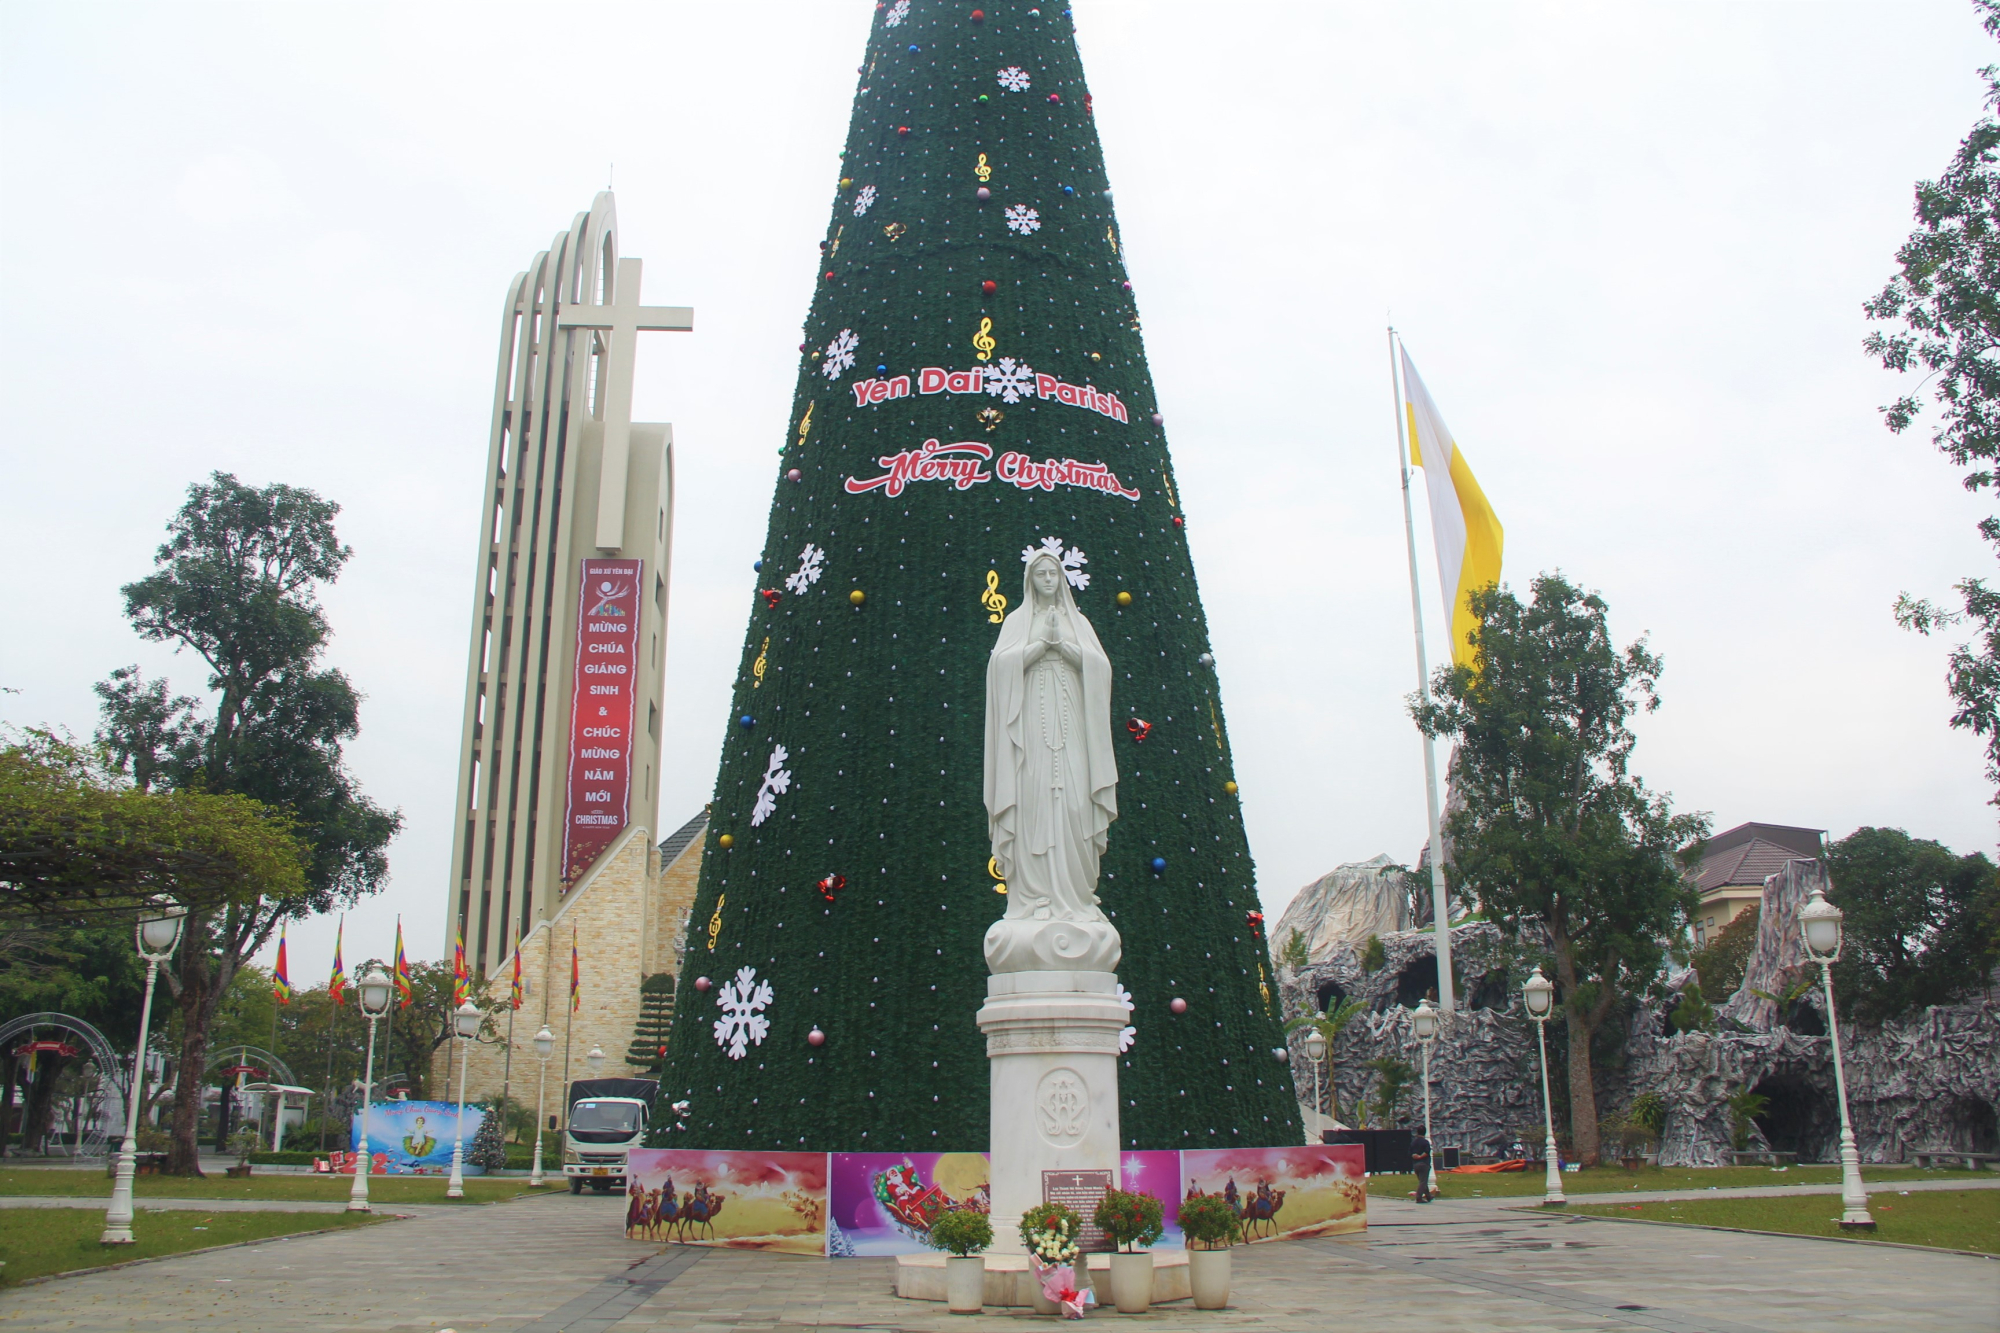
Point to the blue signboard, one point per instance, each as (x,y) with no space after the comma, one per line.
(415,1138)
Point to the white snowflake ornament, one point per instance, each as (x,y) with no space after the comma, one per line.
(743,1002)
(1023,219)
(864,200)
(1014,79)
(897,13)
(839,354)
(777,781)
(810,561)
(1010,380)
(1072,562)
(1127,1034)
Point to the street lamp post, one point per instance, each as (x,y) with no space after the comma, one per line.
(1315,1048)
(545,1045)
(1820,924)
(375,990)
(465,1022)
(595,1060)
(1539,993)
(158,931)
(1424,1023)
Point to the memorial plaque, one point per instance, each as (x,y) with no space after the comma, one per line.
(1080,1192)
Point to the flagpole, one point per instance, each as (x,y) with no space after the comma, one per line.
(568,1023)
(507,1068)
(1440,922)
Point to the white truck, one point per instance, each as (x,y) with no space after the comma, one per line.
(606,1120)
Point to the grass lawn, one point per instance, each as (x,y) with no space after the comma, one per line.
(1613,1179)
(35,1242)
(381,1189)
(1949,1219)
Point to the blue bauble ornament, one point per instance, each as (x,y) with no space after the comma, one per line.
(757,566)
(1159,865)
(747,721)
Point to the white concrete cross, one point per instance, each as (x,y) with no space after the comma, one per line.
(622,320)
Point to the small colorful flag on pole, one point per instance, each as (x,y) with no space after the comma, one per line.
(517,976)
(336,983)
(281,975)
(575,981)
(405,995)
(461,981)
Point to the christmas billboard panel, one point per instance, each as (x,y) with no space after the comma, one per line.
(604,702)
(1283,1193)
(1157,1173)
(742,1200)
(415,1138)
(884,1202)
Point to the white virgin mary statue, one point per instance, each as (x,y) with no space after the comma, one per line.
(1051,780)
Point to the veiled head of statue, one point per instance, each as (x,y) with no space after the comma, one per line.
(1045,582)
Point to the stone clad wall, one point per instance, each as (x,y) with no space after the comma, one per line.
(614,916)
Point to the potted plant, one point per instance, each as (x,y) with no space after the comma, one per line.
(1132,1221)
(964,1232)
(243,1142)
(1211,1227)
(1049,1233)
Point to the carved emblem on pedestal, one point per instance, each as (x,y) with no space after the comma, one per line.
(1062,1107)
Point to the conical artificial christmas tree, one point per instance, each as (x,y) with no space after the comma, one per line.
(972,388)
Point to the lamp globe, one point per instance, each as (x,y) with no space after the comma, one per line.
(466,1019)
(545,1042)
(160,927)
(375,991)
(1424,1021)
(1538,993)
(1820,923)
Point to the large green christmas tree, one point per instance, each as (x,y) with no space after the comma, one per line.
(972,386)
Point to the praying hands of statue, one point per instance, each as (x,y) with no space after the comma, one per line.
(1050,638)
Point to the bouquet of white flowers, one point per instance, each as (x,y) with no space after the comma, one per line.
(1055,1244)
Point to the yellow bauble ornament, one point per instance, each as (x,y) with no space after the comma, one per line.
(857,597)
(1229,787)
(1124,599)
(725,842)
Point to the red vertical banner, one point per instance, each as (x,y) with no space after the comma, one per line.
(604,704)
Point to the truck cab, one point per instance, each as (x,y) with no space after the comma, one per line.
(607,1119)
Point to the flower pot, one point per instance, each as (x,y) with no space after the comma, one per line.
(965,1284)
(1132,1281)
(1037,1270)
(1208,1276)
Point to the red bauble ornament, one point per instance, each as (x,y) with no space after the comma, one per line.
(816,1037)
(979,16)
(1126,285)
(793,474)
(1178,1005)
(802,347)
(702,983)
(1158,420)
(903,131)
(770,596)
(984,194)
(829,274)
(1056,98)
(989,286)
(1179,522)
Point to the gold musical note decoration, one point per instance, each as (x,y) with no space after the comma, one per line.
(1264,989)
(983,340)
(1216,720)
(1168,482)
(993,599)
(1111,235)
(894,230)
(757,667)
(715,922)
(993,869)
(834,249)
(806,422)
(984,172)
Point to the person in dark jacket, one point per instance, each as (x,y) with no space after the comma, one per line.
(1420,1162)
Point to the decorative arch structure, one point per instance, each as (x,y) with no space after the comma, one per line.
(107,1109)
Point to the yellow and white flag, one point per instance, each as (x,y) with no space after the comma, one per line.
(1463,525)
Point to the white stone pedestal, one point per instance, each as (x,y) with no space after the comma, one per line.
(1052,1051)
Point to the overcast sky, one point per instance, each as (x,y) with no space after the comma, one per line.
(1627,244)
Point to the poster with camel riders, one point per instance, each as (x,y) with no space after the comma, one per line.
(742,1200)
(1283,1193)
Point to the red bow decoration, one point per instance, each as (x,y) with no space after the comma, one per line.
(1255,920)
(831,885)
(770,596)
(1140,728)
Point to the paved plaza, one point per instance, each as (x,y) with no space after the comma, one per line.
(558,1264)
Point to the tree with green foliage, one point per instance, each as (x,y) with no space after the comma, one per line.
(237,582)
(78,838)
(1392,1079)
(1722,962)
(1329,1023)
(1919,926)
(1293,952)
(1942,310)
(972,387)
(1554,827)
